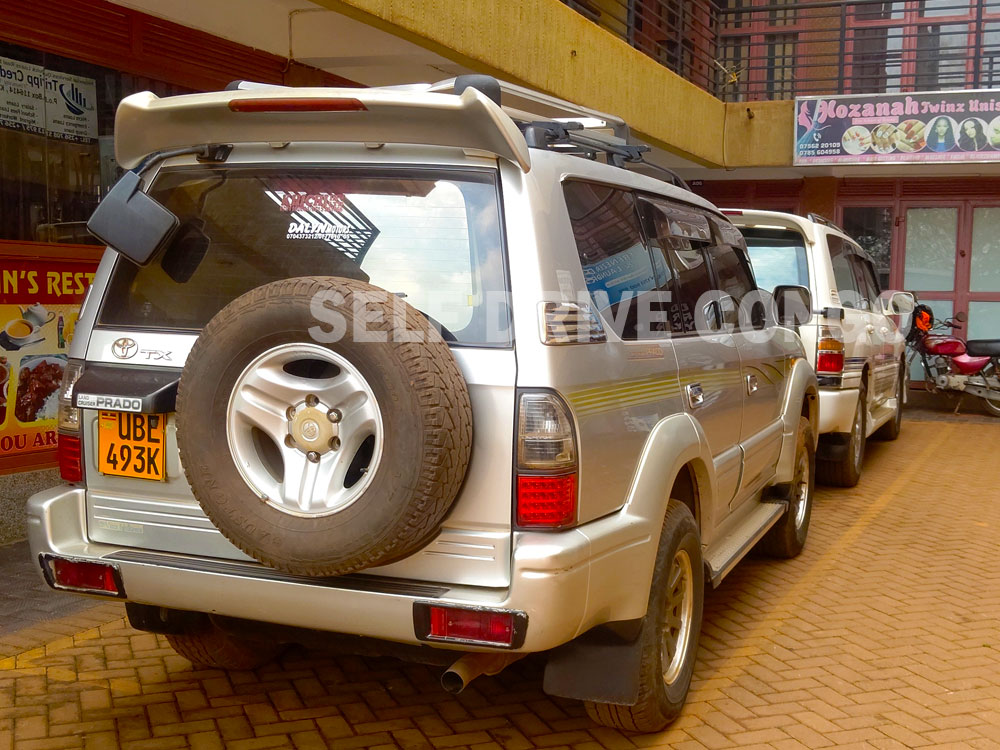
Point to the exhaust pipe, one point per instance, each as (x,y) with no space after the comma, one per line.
(458,676)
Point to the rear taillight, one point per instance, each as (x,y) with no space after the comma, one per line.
(69,453)
(546,463)
(70,449)
(69,415)
(829,351)
(83,576)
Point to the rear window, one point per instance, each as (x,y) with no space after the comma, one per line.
(432,237)
(778,256)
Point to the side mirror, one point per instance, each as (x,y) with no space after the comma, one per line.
(961,317)
(793,305)
(899,303)
(131,222)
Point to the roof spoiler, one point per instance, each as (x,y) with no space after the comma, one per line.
(260,113)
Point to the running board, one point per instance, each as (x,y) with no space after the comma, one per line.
(881,415)
(735,545)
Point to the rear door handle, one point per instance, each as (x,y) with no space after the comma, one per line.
(696,397)
(751,384)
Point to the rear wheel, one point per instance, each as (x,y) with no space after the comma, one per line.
(669,637)
(846,471)
(787,537)
(215,648)
(992,405)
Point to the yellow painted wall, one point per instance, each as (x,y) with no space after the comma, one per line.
(547,46)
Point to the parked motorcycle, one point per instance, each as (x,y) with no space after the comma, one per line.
(951,364)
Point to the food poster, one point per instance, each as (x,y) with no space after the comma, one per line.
(948,126)
(39,306)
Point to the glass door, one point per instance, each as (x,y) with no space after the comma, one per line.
(931,254)
(984,273)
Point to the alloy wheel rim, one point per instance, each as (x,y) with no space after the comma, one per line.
(678,613)
(304,429)
(800,496)
(858,436)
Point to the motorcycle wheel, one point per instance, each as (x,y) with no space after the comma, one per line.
(992,405)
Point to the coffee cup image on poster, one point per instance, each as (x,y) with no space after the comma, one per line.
(939,127)
(33,344)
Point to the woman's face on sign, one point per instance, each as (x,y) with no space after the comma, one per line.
(970,129)
(941,128)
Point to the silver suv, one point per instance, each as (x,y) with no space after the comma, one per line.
(853,342)
(296,403)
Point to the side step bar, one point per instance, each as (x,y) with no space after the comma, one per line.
(732,548)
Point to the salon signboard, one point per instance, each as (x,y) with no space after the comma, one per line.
(940,126)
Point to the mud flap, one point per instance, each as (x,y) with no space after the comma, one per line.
(833,446)
(602,665)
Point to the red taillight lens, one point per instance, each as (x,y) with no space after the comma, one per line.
(69,453)
(482,626)
(546,502)
(339,104)
(84,576)
(829,362)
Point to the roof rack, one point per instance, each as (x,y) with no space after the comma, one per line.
(820,219)
(547,122)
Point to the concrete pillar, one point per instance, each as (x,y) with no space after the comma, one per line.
(819,196)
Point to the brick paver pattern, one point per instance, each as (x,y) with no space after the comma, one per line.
(882,634)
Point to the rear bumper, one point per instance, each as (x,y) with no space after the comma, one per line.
(552,581)
(836,409)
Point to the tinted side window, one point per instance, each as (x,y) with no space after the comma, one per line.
(615,261)
(866,280)
(734,278)
(678,239)
(843,272)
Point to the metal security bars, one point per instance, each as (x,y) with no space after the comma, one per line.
(745,50)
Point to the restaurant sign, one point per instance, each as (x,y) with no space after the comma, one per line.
(942,126)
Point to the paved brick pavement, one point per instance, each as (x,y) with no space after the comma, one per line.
(25,599)
(882,634)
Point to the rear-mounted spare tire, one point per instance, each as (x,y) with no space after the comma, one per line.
(315,456)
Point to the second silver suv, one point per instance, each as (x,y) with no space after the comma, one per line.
(852,339)
(400,364)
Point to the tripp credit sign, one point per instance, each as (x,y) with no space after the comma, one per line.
(942,126)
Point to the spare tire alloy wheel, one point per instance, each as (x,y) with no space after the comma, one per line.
(321,458)
(318,433)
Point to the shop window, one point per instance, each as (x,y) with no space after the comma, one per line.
(878,60)
(937,8)
(942,51)
(56,141)
(871,227)
(880,11)
(780,65)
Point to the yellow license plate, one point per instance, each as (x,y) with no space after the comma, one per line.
(132,445)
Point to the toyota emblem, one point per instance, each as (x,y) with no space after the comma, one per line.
(124,348)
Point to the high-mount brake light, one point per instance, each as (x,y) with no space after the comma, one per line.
(293,104)
(732,212)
